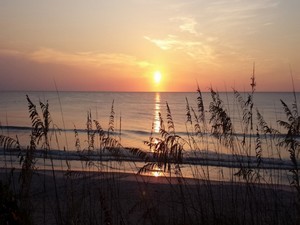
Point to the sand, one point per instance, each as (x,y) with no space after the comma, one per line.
(120,198)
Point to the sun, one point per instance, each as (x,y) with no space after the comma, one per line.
(157,77)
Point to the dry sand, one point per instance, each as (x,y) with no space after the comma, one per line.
(119,198)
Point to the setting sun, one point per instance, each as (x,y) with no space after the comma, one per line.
(157,77)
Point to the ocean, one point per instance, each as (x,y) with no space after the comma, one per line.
(136,118)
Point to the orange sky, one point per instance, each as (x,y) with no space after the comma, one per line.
(118,45)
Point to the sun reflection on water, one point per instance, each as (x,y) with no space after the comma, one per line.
(156,113)
(156,171)
(157,174)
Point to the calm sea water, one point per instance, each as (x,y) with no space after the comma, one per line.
(135,115)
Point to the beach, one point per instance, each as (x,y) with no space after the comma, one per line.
(76,197)
(149,112)
(197,175)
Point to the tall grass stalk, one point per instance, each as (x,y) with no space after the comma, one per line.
(99,197)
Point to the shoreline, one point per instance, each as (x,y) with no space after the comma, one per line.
(146,178)
(131,197)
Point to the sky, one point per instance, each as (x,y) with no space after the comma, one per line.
(118,45)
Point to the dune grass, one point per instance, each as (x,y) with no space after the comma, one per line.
(100,195)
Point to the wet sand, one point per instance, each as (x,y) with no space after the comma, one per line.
(120,198)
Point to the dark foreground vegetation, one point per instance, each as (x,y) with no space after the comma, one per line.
(96,195)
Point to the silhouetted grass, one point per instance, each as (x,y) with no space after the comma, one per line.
(102,193)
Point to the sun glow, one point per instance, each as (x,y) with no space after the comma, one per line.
(157,77)
(157,174)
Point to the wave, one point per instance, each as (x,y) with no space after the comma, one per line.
(237,161)
(25,128)
(16,128)
(137,132)
(191,158)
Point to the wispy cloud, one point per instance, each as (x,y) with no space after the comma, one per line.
(240,6)
(238,11)
(47,55)
(186,24)
(218,29)
(195,49)
(9,52)
(82,60)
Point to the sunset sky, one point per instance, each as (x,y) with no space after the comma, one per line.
(119,45)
